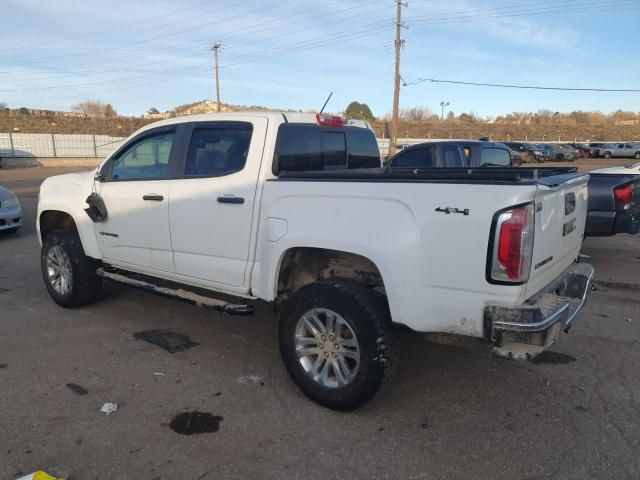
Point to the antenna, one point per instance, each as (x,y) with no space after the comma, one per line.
(325,103)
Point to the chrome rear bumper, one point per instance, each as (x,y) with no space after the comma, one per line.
(527,330)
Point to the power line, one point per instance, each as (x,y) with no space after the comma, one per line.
(529,87)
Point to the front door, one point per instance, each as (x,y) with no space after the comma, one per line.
(136,194)
(211,208)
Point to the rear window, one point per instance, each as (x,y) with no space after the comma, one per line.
(304,147)
(495,157)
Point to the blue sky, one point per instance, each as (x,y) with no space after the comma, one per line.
(292,53)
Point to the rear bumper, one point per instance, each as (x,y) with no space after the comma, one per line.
(527,330)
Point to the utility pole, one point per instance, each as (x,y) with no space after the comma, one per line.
(393,140)
(215,47)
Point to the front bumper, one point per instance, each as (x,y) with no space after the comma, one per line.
(10,218)
(527,330)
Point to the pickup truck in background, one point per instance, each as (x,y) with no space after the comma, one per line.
(296,209)
(620,150)
(453,154)
(614,201)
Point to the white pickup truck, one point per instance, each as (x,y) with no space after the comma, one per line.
(296,209)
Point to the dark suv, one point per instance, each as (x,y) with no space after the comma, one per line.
(528,152)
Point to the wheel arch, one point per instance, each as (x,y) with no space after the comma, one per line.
(54,218)
(301,266)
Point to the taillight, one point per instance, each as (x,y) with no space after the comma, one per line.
(624,195)
(513,244)
(329,120)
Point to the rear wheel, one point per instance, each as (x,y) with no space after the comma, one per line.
(637,155)
(336,342)
(69,275)
(607,155)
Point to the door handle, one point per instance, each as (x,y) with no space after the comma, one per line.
(153,197)
(230,199)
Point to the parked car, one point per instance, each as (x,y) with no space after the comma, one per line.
(583,150)
(565,153)
(621,150)
(595,148)
(528,152)
(453,154)
(296,209)
(10,211)
(633,169)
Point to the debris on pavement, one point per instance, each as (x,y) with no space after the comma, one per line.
(251,379)
(77,389)
(159,374)
(40,475)
(170,341)
(109,408)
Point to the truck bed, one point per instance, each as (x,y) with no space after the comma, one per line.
(549,176)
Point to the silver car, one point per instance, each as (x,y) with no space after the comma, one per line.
(10,211)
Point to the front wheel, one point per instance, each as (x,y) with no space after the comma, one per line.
(607,155)
(637,155)
(69,275)
(336,342)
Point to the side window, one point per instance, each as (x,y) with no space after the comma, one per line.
(145,159)
(303,148)
(363,148)
(416,158)
(218,151)
(621,145)
(495,157)
(452,157)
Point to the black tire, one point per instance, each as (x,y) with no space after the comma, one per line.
(560,157)
(607,155)
(367,314)
(637,155)
(85,285)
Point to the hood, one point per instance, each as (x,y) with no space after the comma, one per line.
(630,170)
(80,178)
(5,194)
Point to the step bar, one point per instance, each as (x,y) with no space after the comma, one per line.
(179,294)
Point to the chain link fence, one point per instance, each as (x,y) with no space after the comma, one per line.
(57,145)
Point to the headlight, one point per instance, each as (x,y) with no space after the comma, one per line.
(537,152)
(12,202)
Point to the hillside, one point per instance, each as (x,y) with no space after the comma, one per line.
(551,129)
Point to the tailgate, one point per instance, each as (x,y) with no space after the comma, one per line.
(561,211)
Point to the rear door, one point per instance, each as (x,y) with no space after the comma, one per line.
(211,204)
(561,210)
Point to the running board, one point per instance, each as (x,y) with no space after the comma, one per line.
(179,294)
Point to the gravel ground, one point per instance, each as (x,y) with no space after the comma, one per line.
(452,411)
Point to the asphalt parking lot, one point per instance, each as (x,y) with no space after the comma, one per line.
(453,411)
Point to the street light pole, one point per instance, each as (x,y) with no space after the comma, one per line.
(442,105)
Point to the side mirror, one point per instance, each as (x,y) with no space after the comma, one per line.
(99,177)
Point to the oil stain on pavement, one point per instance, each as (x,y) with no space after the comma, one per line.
(190,423)
(553,358)
(170,341)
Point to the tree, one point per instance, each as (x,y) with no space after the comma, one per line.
(95,108)
(359,111)
(418,113)
(451,115)
(3,106)
(153,111)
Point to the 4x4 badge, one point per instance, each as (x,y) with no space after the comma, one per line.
(449,210)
